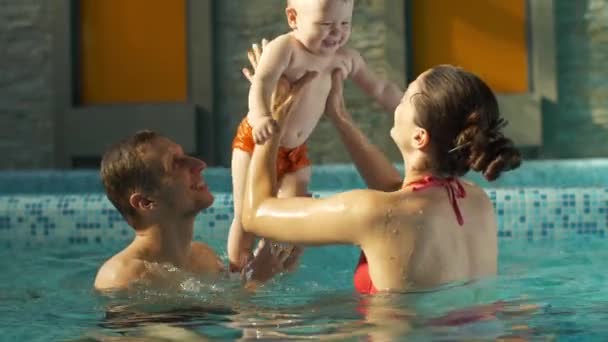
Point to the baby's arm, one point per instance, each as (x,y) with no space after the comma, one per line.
(385,92)
(272,64)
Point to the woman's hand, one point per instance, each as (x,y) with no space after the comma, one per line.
(286,94)
(254,55)
(335,107)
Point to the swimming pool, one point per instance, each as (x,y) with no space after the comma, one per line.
(55,229)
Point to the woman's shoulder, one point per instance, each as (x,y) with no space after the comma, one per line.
(476,192)
(368,202)
(375,205)
(364,197)
(435,196)
(396,203)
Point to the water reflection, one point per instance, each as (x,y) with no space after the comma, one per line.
(342,315)
(551,291)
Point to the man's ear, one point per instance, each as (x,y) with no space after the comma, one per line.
(141,202)
(292,16)
(421,138)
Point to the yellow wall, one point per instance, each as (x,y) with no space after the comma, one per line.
(487,37)
(133,51)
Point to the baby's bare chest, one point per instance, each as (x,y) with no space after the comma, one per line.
(323,65)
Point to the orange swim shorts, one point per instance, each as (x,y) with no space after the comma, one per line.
(288,160)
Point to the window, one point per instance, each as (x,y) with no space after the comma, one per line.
(132,51)
(487,37)
(509,43)
(125,65)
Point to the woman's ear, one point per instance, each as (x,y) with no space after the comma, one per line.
(421,138)
(140,202)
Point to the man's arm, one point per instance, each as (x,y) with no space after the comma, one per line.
(262,268)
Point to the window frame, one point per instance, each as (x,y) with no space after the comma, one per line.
(86,131)
(523,111)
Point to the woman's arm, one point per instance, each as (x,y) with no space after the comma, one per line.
(377,171)
(343,218)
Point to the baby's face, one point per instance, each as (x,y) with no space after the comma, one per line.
(323,26)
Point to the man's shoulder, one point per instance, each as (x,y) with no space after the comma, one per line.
(205,258)
(119,272)
(201,247)
(200,250)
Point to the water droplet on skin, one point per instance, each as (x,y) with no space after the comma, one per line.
(389,217)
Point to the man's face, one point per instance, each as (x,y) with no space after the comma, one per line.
(183,190)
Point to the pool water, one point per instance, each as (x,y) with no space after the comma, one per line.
(544,289)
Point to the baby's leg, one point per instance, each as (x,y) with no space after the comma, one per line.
(240,243)
(295,184)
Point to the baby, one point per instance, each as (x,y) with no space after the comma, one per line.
(319,32)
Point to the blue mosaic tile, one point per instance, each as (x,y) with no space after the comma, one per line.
(522,213)
(585,173)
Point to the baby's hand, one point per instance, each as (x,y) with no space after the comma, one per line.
(263,129)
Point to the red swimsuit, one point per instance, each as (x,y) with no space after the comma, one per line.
(363,283)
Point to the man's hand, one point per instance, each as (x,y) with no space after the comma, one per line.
(287,254)
(291,262)
(271,258)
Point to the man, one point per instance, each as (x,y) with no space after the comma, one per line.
(159,190)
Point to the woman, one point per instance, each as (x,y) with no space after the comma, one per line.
(428,229)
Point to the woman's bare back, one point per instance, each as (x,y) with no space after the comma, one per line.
(422,245)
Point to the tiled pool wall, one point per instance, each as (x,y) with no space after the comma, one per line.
(542,174)
(544,200)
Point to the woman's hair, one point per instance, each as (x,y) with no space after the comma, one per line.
(461,114)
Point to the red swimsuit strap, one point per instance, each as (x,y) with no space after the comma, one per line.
(452,186)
